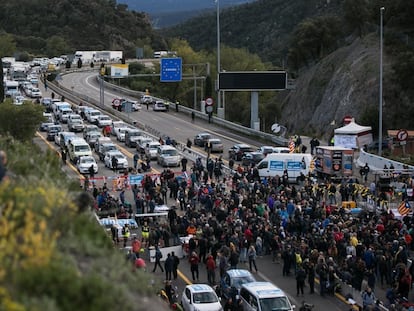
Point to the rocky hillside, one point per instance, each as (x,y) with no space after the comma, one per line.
(346,82)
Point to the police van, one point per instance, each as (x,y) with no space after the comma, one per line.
(264,296)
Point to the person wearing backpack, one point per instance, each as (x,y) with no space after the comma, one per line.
(158,256)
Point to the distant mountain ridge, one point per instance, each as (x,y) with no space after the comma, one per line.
(168,6)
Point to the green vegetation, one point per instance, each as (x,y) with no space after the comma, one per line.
(54,255)
(53,28)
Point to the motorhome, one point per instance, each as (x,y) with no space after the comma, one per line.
(275,164)
(11,88)
(78,147)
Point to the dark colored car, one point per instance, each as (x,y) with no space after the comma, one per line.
(52,131)
(232,281)
(252,158)
(238,151)
(201,139)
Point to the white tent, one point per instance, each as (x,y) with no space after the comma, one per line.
(353,135)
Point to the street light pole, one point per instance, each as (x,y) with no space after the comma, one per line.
(380,82)
(218,55)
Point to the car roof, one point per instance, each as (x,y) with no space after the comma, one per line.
(215,140)
(238,273)
(243,145)
(203,134)
(264,289)
(196,288)
(87,157)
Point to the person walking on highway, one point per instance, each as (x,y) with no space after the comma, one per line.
(63,155)
(114,162)
(158,256)
(125,234)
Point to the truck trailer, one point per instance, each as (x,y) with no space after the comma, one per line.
(333,161)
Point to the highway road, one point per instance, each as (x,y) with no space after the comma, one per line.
(180,127)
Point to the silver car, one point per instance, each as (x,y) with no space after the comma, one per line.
(215,145)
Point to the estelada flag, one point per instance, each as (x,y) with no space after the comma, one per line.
(404,208)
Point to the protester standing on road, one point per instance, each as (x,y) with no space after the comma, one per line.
(184,164)
(300,280)
(211,270)
(194,262)
(169,267)
(135,160)
(63,155)
(251,254)
(125,234)
(176,261)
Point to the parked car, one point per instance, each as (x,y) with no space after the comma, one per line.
(200,297)
(115,125)
(168,156)
(92,138)
(35,93)
(52,131)
(84,163)
(159,106)
(90,128)
(265,150)
(215,145)
(232,281)
(104,148)
(201,139)
(142,143)
(121,158)
(103,120)
(120,134)
(92,115)
(151,150)
(252,158)
(237,151)
(131,137)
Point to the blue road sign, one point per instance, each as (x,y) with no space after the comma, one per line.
(171,69)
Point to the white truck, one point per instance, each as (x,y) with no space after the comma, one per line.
(275,164)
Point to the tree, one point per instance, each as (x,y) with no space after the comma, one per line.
(1,82)
(356,14)
(20,122)
(7,45)
(56,46)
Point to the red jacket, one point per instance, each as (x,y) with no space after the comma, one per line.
(194,260)
(211,264)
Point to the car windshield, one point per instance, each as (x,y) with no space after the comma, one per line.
(81,148)
(207,297)
(238,282)
(171,152)
(216,142)
(105,118)
(87,160)
(94,113)
(119,156)
(274,304)
(246,149)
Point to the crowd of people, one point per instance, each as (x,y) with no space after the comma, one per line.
(235,218)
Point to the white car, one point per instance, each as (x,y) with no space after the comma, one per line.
(151,150)
(35,93)
(103,120)
(159,106)
(84,163)
(92,115)
(200,297)
(121,158)
(120,133)
(117,125)
(142,142)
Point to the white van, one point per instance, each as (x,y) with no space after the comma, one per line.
(264,296)
(276,163)
(78,147)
